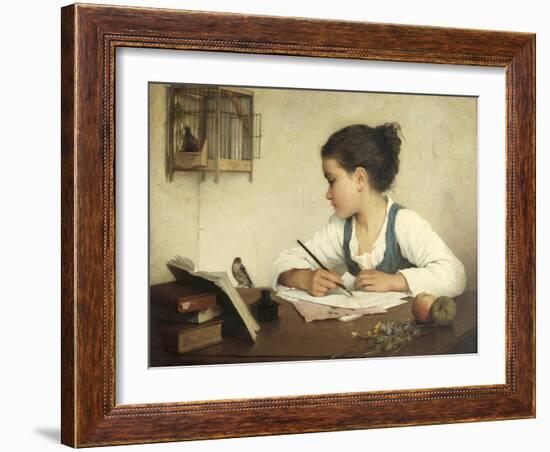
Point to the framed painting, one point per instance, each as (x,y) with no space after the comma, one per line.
(221,215)
(196,150)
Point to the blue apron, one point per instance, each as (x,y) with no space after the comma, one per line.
(393,259)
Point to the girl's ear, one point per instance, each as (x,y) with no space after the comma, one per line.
(361,178)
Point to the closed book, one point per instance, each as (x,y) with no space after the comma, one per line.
(196,302)
(185,338)
(203,316)
(182,297)
(169,315)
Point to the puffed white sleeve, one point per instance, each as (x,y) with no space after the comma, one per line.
(326,244)
(438,271)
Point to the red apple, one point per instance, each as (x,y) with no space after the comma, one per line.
(421,307)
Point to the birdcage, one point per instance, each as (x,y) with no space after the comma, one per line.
(212,129)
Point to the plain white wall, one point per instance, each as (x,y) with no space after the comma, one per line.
(31,222)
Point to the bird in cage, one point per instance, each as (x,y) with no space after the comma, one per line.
(189,142)
(240,274)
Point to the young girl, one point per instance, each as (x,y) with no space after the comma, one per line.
(386,246)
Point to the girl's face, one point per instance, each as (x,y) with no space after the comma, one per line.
(343,191)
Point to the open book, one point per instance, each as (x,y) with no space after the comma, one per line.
(183,269)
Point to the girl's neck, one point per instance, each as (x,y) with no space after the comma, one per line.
(372,213)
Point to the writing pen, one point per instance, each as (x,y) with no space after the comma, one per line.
(321,265)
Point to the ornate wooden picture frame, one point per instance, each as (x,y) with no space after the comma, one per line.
(90,36)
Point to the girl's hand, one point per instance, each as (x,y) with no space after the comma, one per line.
(377,281)
(321,281)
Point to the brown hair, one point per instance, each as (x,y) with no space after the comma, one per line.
(374,149)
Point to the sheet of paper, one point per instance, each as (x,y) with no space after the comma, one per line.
(315,311)
(338,298)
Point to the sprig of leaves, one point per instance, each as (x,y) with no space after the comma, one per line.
(388,336)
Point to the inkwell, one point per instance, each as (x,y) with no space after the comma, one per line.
(265,309)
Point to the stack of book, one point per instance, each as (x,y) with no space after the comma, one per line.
(188,316)
(191,312)
(238,320)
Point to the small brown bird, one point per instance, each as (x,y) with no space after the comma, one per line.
(190,143)
(240,274)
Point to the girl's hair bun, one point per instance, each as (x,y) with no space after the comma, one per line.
(390,133)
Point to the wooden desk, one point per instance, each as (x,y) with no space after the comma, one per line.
(290,338)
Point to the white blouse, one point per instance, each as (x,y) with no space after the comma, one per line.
(438,271)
